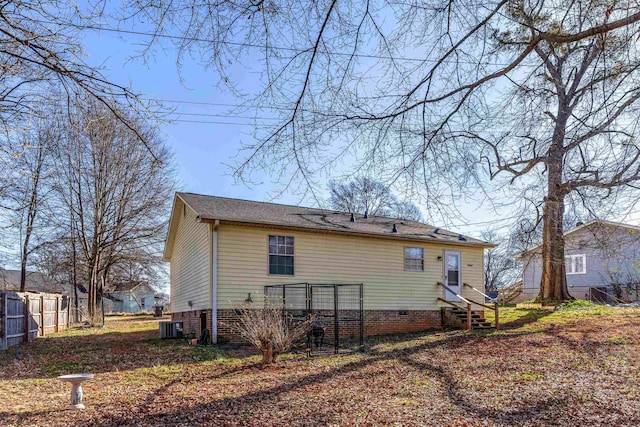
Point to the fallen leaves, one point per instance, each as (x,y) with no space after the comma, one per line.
(578,370)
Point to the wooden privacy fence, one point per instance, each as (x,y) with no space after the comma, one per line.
(26,316)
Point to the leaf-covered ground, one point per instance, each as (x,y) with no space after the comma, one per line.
(572,367)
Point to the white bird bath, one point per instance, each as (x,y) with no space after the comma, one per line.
(76,388)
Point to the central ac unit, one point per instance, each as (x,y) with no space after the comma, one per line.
(171,329)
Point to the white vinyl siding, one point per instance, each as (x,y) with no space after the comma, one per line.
(190,266)
(329,258)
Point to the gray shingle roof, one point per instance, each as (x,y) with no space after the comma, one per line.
(34,282)
(595,223)
(209,208)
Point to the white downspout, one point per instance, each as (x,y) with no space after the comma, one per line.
(214,282)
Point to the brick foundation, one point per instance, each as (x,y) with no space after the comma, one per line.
(225,334)
(376,322)
(191,320)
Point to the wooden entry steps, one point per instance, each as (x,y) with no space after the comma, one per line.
(477,320)
(460,314)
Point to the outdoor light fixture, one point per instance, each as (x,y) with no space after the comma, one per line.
(439,258)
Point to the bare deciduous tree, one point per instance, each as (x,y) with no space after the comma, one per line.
(29,184)
(367,196)
(445,95)
(500,266)
(41,50)
(116,192)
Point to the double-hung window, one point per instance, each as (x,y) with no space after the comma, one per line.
(576,264)
(414,259)
(281,255)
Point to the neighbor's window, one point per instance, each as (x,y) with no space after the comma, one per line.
(414,259)
(141,302)
(281,255)
(576,264)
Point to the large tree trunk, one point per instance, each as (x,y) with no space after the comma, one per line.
(23,271)
(74,279)
(25,250)
(31,216)
(553,283)
(92,282)
(76,304)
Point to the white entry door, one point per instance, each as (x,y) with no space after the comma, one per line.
(452,275)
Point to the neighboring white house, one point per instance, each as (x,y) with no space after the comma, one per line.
(130,297)
(222,253)
(602,261)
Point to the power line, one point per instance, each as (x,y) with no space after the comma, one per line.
(239,106)
(494,221)
(215,104)
(273,120)
(260,46)
(220,122)
(211,122)
(226,116)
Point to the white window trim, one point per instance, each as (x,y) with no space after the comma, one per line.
(405,259)
(570,263)
(292,256)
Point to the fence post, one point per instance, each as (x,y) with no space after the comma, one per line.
(27,313)
(57,313)
(4,324)
(42,314)
(497,316)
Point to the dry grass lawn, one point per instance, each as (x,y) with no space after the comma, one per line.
(574,367)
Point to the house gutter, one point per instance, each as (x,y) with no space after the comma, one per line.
(214,281)
(390,236)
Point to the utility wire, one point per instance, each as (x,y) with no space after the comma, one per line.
(226,116)
(260,46)
(207,122)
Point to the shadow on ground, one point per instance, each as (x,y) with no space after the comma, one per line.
(98,351)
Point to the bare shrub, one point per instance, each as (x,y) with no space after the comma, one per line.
(271,330)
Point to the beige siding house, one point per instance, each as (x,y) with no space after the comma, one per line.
(222,252)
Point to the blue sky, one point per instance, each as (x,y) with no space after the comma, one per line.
(205,137)
(203,151)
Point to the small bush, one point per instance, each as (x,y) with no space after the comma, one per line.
(271,330)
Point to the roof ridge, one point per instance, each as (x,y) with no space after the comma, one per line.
(306,207)
(583,226)
(209,208)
